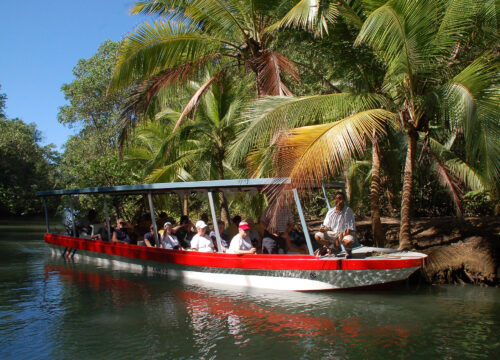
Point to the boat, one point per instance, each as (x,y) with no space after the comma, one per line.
(368,266)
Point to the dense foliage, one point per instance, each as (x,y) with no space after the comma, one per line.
(400,98)
(25,167)
(91,157)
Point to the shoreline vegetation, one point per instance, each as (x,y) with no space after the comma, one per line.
(460,252)
(399,99)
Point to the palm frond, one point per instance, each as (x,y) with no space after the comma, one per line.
(314,152)
(171,170)
(472,100)
(271,115)
(195,99)
(447,178)
(159,7)
(270,66)
(457,20)
(153,48)
(306,14)
(461,170)
(398,32)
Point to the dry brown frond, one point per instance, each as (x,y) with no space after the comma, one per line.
(195,99)
(269,67)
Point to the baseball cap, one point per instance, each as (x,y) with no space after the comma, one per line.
(201,224)
(244,226)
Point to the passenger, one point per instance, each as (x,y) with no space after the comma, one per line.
(232,230)
(102,233)
(184,231)
(201,242)
(143,225)
(277,222)
(204,217)
(338,227)
(241,243)
(254,235)
(162,219)
(83,228)
(120,234)
(223,236)
(149,238)
(169,241)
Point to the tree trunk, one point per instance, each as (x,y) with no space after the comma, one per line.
(224,208)
(378,233)
(405,231)
(185,198)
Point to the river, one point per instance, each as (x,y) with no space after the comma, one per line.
(56,309)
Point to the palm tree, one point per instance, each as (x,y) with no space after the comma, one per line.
(191,34)
(430,79)
(198,149)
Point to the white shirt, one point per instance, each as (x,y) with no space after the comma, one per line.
(239,243)
(169,241)
(340,222)
(202,243)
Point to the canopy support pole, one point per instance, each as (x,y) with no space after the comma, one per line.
(72,215)
(303,221)
(326,197)
(214,220)
(46,215)
(153,220)
(106,213)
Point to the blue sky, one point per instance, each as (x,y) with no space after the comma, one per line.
(41,42)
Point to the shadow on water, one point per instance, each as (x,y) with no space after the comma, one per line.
(55,308)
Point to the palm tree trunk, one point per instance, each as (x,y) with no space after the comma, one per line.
(224,208)
(185,198)
(405,231)
(378,233)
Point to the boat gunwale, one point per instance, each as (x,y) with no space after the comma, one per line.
(241,261)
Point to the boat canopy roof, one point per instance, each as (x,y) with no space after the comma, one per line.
(233,185)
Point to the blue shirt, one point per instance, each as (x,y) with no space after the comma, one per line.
(122,235)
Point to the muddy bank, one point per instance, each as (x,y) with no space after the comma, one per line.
(459,252)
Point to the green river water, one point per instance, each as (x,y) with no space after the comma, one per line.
(56,309)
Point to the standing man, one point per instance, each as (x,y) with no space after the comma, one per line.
(338,227)
(277,223)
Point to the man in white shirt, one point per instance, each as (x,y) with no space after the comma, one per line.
(201,242)
(241,242)
(338,227)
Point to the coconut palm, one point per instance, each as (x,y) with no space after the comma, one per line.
(189,35)
(198,149)
(430,80)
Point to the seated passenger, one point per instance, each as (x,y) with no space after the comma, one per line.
(201,242)
(149,238)
(184,231)
(338,227)
(223,236)
(254,234)
(169,241)
(120,234)
(102,232)
(232,229)
(241,243)
(83,227)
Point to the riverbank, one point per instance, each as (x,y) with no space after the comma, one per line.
(460,252)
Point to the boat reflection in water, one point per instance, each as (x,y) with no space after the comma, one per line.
(215,320)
